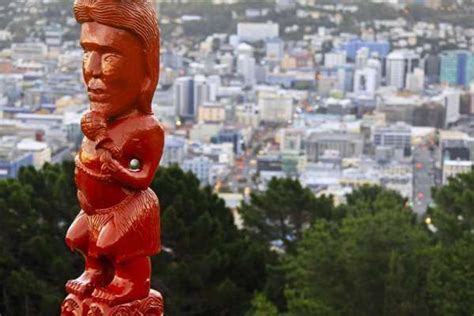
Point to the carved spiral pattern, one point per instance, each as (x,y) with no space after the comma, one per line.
(69,307)
(124,311)
(95,311)
(152,306)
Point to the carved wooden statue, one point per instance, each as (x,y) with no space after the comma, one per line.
(118,227)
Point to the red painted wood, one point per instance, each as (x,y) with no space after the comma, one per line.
(118,227)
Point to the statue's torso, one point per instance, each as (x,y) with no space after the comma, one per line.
(97,189)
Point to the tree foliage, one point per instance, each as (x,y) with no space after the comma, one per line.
(281,213)
(369,256)
(207,267)
(372,263)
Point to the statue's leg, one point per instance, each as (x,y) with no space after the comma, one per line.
(98,272)
(131,282)
(77,236)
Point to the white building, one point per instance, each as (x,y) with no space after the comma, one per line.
(248,114)
(29,51)
(395,136)
(175,150)
(451,168)
(399,64)
(366,82)
(275,49)
(334,59)
(211,112)
(416,80)
(253,32)
(246,67)
(362,57)
(200,166)
(275,106)
(40,150)
(201,92)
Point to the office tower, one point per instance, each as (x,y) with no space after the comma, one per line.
(201,92)
(184,97)
(362,57)
(457,68)
(366,82)
(246,67)
(399,64)
(432,69)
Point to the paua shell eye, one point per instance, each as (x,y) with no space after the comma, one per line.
(134,164)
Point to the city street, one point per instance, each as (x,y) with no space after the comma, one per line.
(423,178)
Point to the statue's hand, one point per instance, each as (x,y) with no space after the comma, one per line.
(93,125)
(111,147)
(109,164)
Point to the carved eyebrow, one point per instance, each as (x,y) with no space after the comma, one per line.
(97,47)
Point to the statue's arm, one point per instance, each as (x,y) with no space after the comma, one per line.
(148,155)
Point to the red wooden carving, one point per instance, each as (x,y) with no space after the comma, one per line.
(118,227)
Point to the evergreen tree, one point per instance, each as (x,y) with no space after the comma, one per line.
(451,276)
(35,211)
(373,263)
(207,266)
(281,213)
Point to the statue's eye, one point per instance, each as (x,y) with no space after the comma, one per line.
(110,57)
(86,55)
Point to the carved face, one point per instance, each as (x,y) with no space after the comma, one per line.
(113,68)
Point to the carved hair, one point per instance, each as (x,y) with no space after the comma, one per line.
(136,16)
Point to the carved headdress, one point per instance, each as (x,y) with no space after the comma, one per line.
(136,16)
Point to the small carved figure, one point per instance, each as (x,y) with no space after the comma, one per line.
(118,227)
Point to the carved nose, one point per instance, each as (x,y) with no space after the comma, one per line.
(94,66)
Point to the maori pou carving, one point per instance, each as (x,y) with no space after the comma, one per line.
(118,227)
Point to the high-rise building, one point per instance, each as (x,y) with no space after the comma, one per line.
(362,57)
(246,67)
(399,64)
(366,82)
(432,69)
(184,97)
(457,68)
(201,92)
(214,83)
(189,94)
(345,77)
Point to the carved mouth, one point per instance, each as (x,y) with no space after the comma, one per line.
(97,95)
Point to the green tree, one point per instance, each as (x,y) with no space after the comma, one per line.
(372,263)
(453,214)
(451,276)
(207,266)
(261,306)
(35,210)
(279,217)
(281,213)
